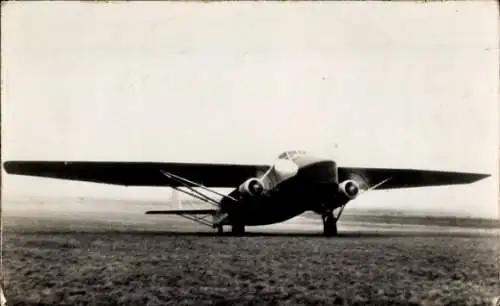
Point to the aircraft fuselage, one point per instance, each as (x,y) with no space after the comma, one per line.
(313,186)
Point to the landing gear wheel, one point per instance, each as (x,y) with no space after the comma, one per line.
(220,229)
(238,229)
(330,225)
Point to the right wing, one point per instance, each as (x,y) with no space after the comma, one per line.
(406,178)
(137,173)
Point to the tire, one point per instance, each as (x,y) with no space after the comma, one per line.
(238,229)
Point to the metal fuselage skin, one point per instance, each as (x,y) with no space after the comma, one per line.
(313,187)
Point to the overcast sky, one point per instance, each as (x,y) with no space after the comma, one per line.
(411,84)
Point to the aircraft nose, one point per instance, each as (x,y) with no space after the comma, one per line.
(320,172)
(321,176)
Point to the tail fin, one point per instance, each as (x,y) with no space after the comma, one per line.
(176,199)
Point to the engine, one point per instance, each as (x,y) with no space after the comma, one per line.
(252,187)
(349,189)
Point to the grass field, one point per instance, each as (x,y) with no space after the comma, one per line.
(92,264)
(418,220)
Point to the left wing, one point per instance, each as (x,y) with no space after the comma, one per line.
(405,178)
(137,173)
(183,212)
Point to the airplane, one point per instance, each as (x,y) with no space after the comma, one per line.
(261,194)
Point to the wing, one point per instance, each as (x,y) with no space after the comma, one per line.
(406,178)
(183,212)
(137,173)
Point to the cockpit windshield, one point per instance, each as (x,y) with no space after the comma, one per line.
(291,154)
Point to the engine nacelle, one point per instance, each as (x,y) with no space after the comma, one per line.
(349,189)
(252,187)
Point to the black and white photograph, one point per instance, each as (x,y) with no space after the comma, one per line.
(250,153)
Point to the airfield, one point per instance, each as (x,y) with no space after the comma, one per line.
(76,253)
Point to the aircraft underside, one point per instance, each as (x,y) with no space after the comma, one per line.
(285,201)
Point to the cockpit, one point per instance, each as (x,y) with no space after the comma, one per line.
(291,154)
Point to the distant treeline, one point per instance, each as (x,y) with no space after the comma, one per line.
(427,220)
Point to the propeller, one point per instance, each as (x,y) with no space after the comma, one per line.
(376,185)
(364,185)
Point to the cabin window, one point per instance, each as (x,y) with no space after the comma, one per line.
(291,154)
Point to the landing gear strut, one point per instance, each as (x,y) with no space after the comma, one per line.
(330,222)
(330,225)
(238,229)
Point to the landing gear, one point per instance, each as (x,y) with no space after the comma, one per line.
(330,225)
(330,222)
(238,229)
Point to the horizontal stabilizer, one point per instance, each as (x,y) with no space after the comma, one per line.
(183,212)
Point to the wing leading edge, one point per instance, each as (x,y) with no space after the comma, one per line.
(406,178)
(137,173)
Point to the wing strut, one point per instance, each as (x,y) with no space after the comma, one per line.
(193,192)
(201,220)
(198,195)
(192,215)
(217,215)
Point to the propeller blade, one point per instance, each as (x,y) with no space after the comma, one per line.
(376,185)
